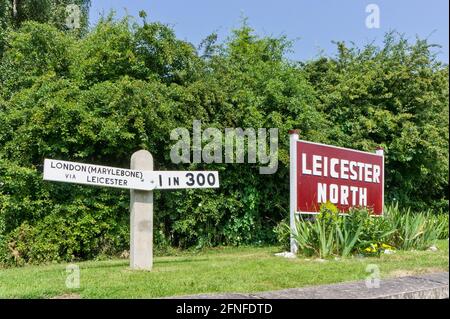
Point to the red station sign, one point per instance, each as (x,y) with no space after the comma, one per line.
(345,177)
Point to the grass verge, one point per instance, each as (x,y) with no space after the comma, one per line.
(242,269)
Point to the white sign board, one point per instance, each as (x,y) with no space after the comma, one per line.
(80,173)
(186,179)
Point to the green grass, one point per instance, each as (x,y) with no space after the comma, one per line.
(244,269)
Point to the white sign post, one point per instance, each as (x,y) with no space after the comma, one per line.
(141,180)
(141,217)
(293,138)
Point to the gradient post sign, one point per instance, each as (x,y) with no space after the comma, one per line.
(141,179)
(345,177)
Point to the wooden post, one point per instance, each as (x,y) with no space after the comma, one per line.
(141,217)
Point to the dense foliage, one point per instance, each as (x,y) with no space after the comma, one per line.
(58,13)
(121,87)
(395,96)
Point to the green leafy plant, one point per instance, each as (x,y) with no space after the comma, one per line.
(283,232)
(348,235)
(360,233)
(414,230)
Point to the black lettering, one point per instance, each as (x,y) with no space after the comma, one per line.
(211,179)
(200,179)
(191,180)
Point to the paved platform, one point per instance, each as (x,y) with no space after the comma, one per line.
(427,286)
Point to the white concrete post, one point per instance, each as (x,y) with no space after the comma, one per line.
(293,138)
(141,217)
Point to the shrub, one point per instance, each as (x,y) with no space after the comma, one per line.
(122,87)
(329,234)
(414,230)
(375,231)
(283,233)
(360,233)
(442,219)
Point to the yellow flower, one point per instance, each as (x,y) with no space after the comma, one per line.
(370,249)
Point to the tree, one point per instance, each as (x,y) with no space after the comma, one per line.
(395,96)
(64,14)
(14,12)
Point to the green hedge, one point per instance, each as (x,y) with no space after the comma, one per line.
(123,87)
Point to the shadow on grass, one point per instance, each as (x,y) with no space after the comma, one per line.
(181,260)
(126,263)
(105,264)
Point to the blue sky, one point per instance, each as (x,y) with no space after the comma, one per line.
(312,24)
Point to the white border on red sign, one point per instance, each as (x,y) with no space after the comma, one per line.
(293,179)
(340,147)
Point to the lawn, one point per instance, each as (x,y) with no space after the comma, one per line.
(243,269)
